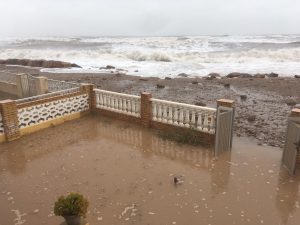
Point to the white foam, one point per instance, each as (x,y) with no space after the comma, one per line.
(164,56)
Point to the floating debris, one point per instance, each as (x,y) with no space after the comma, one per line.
(19,220)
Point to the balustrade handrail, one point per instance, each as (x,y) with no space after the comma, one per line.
(52,94)
(117,93)
(183,105)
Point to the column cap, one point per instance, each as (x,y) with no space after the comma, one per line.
(295,112)
(7,101)
(225,102)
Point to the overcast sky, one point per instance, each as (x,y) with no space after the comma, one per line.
(148,17)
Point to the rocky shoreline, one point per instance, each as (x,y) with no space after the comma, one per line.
(263,103)
(38,63)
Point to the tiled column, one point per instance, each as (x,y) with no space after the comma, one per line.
(146,109)
(10,121)
(19,81)
(296,113)
(89,89)
(41,84)
(229,104)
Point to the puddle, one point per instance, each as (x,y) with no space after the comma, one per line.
(127,173)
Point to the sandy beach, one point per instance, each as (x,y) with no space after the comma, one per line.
(262,104)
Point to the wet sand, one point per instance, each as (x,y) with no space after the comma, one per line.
(127,174)
(262,115)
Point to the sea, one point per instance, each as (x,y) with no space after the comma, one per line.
(163,56)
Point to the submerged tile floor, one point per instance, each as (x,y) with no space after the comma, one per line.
(127,174)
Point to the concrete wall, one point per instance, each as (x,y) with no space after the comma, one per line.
(8,88)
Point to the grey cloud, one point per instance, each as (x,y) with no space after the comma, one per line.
(144,17)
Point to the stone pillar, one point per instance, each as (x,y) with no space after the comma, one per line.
(89,89)
(296,113)
(10,120)
(229,104)
(41,84)
(146,109)
(20,78)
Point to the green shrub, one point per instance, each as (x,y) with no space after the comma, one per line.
(73,204)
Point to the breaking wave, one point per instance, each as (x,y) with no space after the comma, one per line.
(162,56)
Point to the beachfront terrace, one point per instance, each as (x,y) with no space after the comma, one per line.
(126,172)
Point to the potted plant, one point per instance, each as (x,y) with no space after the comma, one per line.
(72,208)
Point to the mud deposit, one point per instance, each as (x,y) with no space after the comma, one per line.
(127,174)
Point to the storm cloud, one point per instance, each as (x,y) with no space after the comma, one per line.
(144,17)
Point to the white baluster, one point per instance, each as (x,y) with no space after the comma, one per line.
(112,102)
(121,105)
(165,114)
(154,112)
(176,116)
(193,120)
(101,102)
(159,114)
(187,118)
(205,123)
(129,107)
(170,116)
(199,121)
(133,107)
(105,101)
(124,105)
(108,101)
(117,103)
(212,124)
(181,117)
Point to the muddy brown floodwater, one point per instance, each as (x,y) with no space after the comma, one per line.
(127,174)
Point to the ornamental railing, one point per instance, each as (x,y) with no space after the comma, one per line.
(184,115)
(57,85)
(117,102)
(8,77)
(48,95)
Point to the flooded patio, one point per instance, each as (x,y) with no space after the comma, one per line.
(127,174)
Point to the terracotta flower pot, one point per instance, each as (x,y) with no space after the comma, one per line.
(72,220)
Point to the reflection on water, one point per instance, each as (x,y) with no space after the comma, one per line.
(287,197)
(117,165)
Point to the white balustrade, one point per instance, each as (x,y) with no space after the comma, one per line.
(117,102)
(184,115)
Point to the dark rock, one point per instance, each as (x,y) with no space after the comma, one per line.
(251,118)
(160,86)
(195,82)
(214,75)
(199,103)
(259,75)
(243,97)
(136,71)
(240,75)
(168,78)
(109,67)
(227,85)
(290,102)
(143,79)
(297,76)
(272,75)
(39,63)
(182,75)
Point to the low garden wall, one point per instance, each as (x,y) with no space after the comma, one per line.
(31,114)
